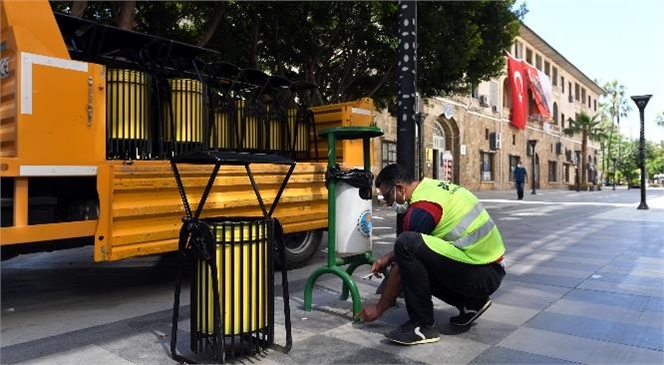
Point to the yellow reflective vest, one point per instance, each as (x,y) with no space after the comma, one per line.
(466,232)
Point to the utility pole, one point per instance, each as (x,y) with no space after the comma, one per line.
(406,97)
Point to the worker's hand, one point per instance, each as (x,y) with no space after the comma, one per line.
(379,266)
(369,313)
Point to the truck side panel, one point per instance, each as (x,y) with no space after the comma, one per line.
(146,208)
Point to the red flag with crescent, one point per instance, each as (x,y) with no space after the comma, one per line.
(518,86)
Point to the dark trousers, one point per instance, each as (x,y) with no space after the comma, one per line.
(425,273)
(519,189)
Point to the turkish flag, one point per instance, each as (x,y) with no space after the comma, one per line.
(518,87)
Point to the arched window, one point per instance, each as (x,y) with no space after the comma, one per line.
(507,93)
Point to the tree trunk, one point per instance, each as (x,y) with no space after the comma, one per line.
(584,166)
(126,15)
(78,8)
(214,24)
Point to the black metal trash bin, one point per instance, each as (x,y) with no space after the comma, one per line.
(232,283)
(242,253)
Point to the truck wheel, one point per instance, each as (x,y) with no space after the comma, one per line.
(300,247)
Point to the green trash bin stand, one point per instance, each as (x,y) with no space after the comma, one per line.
(232,268)
(335,263)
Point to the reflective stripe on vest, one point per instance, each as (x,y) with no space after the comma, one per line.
(468,240)
(467,220)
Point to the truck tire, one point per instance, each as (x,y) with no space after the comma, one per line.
(300,247)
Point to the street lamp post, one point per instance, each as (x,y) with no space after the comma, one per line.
(532,143)
(578,162)
(614,172)
(641,102)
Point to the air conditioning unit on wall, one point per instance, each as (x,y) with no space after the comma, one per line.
(495,142)
(484,100)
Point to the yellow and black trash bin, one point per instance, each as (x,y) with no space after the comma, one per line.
(243,260)
(232,269)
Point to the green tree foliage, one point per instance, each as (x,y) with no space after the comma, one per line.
(659,119)
(589,128)
(617,106)
(348,48)
(655,159)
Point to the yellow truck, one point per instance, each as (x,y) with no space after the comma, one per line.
(90,116)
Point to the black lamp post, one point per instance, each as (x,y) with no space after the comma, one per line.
(578,162)
(614,171)
(641,102)
(532,143)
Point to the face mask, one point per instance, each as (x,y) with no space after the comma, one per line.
(399,208)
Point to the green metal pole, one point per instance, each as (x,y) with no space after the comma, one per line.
(331,203)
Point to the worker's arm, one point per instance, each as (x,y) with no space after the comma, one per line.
(392,289)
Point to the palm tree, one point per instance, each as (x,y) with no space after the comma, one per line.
(618,107)
(589,128)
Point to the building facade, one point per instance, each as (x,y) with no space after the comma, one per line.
(468,139)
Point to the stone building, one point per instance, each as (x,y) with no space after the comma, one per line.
(469,139)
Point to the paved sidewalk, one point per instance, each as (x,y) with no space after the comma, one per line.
(585,285)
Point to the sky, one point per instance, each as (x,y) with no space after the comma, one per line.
(608,40)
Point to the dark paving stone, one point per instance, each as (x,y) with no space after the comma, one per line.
(555,280)
(634,302)
(502,355)
(655,281)
(527,295)
(597,329)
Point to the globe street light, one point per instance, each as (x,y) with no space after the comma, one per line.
(532,143)
(641,102)
(578,162)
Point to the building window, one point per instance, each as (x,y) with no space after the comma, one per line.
(576,91)
(529,55)
(583,95)
(589,103)
(562,120)
(518,50)
(538,62)
(554,77)
(486,166)
(595,104)
(552,171)
(562,83)
(547,69)
(568,169)
(389,153)
(514,160)
(555,113)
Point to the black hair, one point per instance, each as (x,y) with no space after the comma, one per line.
(392,174)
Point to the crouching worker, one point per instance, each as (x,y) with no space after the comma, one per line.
(449,248)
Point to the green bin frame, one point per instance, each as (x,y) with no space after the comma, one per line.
(334,264)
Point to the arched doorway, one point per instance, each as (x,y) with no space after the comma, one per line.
(446,149)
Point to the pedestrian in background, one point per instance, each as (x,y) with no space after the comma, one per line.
(449,248)
(520,176)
